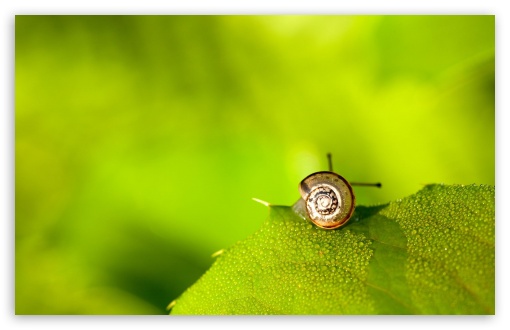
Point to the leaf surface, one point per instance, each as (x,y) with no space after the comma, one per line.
(430,253)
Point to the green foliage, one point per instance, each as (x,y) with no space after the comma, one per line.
(133,132)
(430,253)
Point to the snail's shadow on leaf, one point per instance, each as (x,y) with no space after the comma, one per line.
(363,212)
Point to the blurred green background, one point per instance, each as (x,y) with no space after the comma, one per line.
(140,140)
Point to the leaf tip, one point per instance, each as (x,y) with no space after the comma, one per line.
(261,202)
(170,305)
(217,253)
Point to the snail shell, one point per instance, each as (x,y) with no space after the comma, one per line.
(329,199)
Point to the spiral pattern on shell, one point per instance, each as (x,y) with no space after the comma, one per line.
(323,202)
(329,199)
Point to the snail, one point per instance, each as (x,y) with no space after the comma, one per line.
(327,199)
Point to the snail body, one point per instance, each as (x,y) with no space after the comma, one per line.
(328,199)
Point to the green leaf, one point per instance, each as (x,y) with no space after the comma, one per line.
(430,253)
